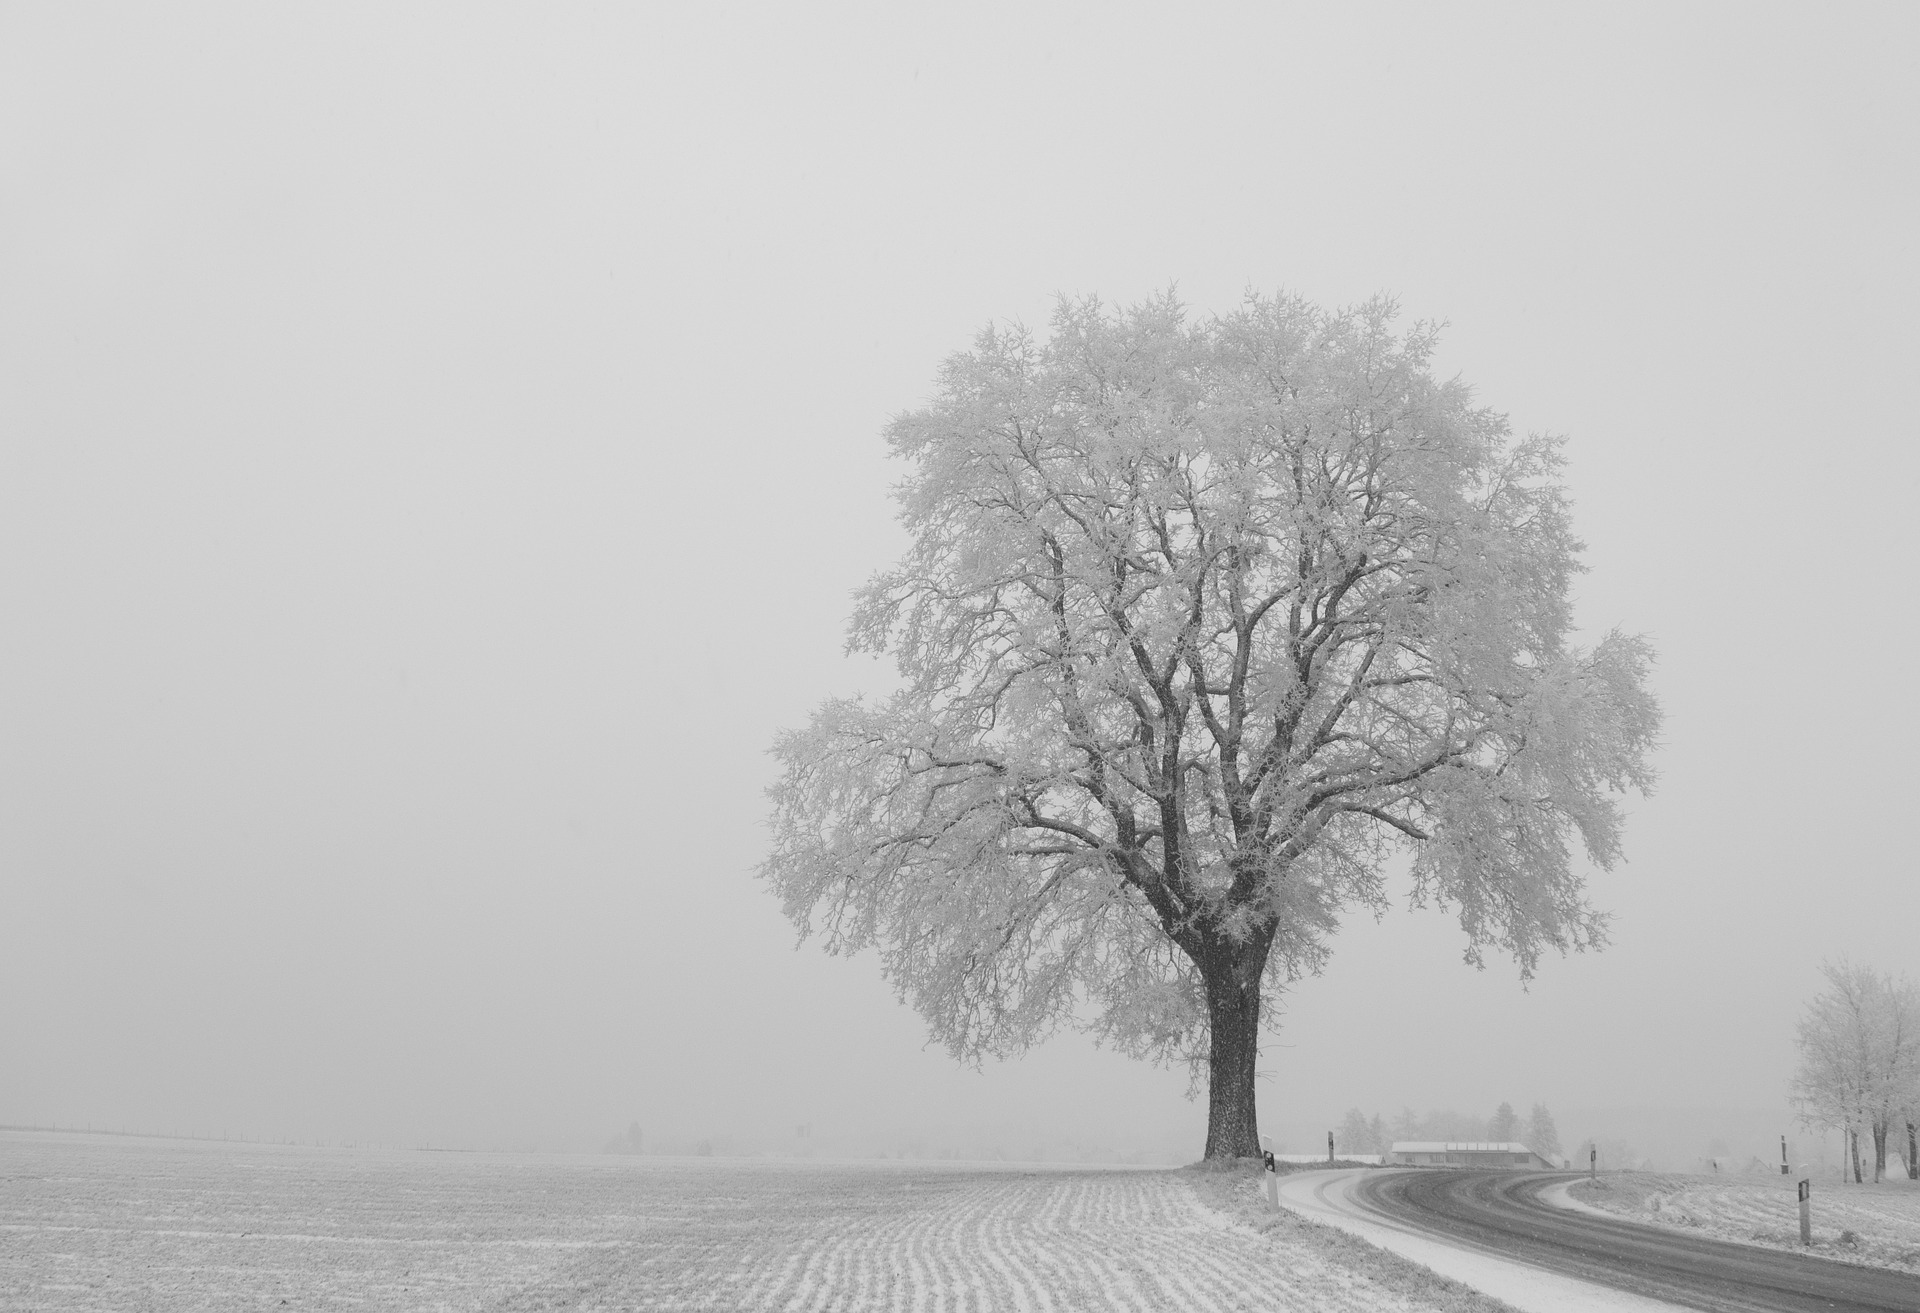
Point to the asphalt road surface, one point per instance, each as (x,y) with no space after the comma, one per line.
(1503,1213)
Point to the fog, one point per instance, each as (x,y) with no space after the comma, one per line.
(437,450)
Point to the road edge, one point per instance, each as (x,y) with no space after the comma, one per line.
(1326,1197)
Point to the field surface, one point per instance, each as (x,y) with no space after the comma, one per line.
(116,1223)
(1878,1225)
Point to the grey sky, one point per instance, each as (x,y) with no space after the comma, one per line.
(436,451)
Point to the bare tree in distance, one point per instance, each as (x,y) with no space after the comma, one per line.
(1860,1061)
(1357,1136)
(1910,1115)
(1201,622)
(1904,1003)
(1543,1137)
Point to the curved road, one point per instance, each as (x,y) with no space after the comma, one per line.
(1503,1213)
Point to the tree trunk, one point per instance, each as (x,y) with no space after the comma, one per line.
(1232,977)
(1879,1151)
(1853,1148)
(1913,1151)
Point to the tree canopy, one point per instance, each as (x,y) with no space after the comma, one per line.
(1202,621)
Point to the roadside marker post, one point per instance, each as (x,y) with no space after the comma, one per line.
(1329,1148)
(1593,1164)
(1270,1168)
(1806,1211)
(1784,1171)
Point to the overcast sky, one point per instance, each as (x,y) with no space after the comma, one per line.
(437,449)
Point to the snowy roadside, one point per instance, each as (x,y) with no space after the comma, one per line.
(1870,1225)
(1236,1195)
(1325,1197)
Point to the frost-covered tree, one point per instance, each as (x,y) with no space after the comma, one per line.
(1906,1079)
(1407,1125)
(1896,1105)
(1356,1136)
(1909,1117)
(1543,1137)
(1860,1060)
(1201,621)
(1504,1124)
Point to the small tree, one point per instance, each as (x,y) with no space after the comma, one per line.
(1904,1100)
(1543,1137)
(1860,1060)
(1200,622)
(1909,1121)
(1356,1136)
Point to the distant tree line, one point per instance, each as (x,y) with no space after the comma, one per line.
(634,1141)
(1359,1133)
(1860,1064)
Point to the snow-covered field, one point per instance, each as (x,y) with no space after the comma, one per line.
(115,1223)
(1882,1220)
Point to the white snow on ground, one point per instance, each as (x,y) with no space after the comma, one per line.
(166,1227)
(1046,1241)
(1560,1196)
(1882,1219)
(1327,1197)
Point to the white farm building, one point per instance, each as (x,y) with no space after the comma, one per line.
(1436,1153)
